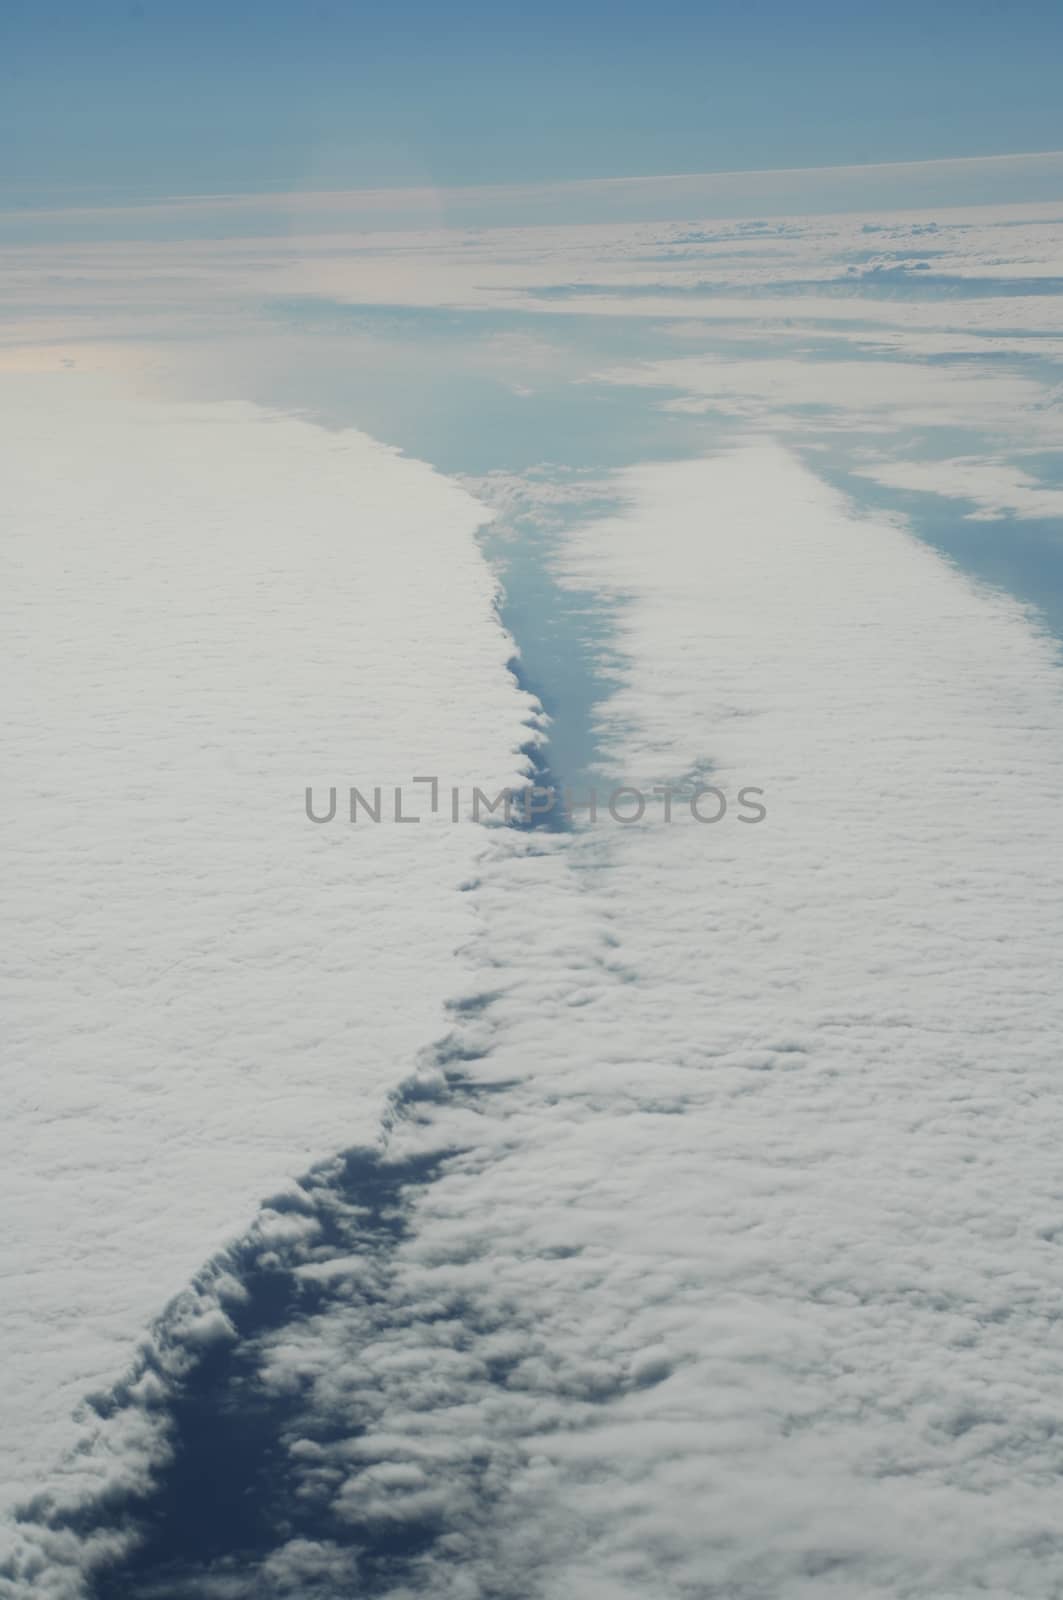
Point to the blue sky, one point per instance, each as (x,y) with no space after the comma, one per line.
(176,97)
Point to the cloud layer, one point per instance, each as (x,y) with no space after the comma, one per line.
(206,610)
(727,1262)
(697,1227)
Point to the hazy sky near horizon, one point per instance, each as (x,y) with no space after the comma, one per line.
(150,96)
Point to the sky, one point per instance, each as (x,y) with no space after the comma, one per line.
(143,97)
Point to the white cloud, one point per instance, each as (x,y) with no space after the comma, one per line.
(740,1274)
(207,609)
(821,273)
(996,488)
(859,393)
(746,1283)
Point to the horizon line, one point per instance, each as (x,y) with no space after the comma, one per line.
(380,191)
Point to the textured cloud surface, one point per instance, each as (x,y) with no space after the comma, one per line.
(206,610)
(733,1258)
(767,1233)
(678,1209)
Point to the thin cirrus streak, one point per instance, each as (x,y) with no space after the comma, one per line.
(957,181)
